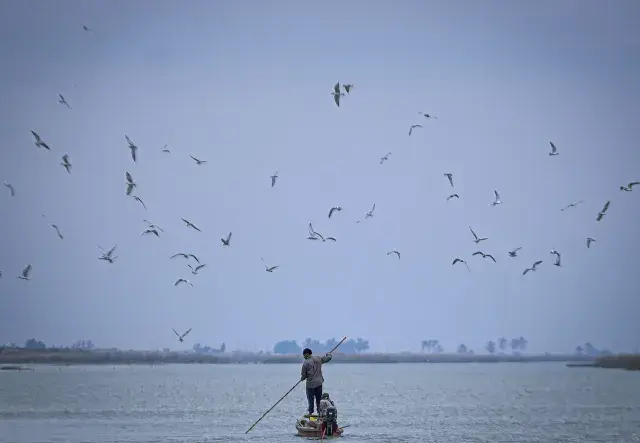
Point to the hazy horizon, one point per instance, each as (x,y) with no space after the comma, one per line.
(247,88)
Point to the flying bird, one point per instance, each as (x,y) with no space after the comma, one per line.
(335,208)
(533,268)
(603,211)
(453,196)
(10,188)
(39,142)
(181,337)
(63,101)
(414,126)
(449,177)
(427,115)
(514,253)
(26,272)
(347,88)
(165,149)
(497,201)
(629,186)
(394,252)
(572,205)
(190,225)
(269,268)
(313,235)
(150,231)
(86,28)
(557,262)
(554,151)
(139,200)
(66,163)
(132,146)
(182,280)
(477,239)
(459,260)
(152,226)
(130,183)
(589,241)
(54,226)
(182,254)
(225,242)
(0,273)
(337,94)
(274,177)
(198,161)
(484,255)
(385,158)
(195,270)
(107,256)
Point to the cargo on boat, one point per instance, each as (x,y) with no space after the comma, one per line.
(320,427)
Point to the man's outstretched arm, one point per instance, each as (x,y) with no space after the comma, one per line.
(326,358)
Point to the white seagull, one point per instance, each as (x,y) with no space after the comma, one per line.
(181,337)
(107,256)
(130,183)
(459,260)
(497,201)
(337,94)
(453,196)
(449,177)
(182,280)
(514,253)
(26,272)
(10,188)
(39,142)
(182,254)
(394,252)
(484,255)
(132,146)
(273,178)
(603,211)
(54,226)
(476,238)
(225,242)
(572,205)
(66,163)
(269,268)
(533,268)
(152,226)
(198,161)
(150,231)
(428,115)
(554,151)
(63,101)
(139,200)
(385,158)
(195,270)
(414,126)
(589,241)
(165,149)
(335,208)
(629,186)
(190,225)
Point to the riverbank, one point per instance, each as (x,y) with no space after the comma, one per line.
(630,362)
(110,357)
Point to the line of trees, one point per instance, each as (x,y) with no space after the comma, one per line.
(516,345)
(199,349)
(350,346)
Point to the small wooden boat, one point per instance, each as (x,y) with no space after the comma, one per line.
(312,427)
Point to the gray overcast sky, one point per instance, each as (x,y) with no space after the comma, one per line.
(246,86)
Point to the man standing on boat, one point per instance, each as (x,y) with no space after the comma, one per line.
(312,373)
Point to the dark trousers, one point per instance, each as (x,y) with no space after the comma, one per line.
(314,393)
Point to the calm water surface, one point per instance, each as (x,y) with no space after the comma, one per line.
(381,403)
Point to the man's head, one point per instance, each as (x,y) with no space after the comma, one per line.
(325,395)
(306,353)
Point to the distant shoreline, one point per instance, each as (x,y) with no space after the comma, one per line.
(106,357)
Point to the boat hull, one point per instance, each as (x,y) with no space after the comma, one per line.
(305,430)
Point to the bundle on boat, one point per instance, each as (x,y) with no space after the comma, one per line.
(325,426)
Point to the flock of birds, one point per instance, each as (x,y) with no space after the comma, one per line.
(339,93)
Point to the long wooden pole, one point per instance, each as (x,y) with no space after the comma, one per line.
(289,391)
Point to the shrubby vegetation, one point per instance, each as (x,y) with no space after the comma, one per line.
(348,347)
